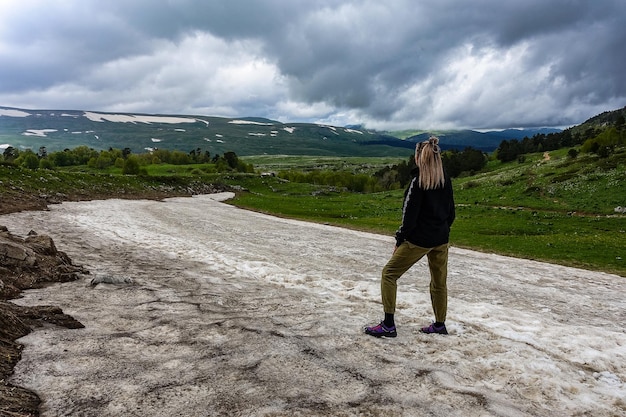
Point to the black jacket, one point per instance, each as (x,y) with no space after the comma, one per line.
(426,214)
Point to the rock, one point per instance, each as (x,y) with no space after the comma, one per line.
(15,254)
(42,244)
(107,279)
(13,325)
(27,263)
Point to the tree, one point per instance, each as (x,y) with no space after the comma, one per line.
(82,154)
(231,159)
(11,154)
(131,166)
(63,158)
(46,163)
(604,143)
(470,160)
(509,150)
(29,160)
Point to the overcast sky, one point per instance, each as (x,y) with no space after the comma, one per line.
(390,64)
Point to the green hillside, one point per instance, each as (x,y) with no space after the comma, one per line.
(58,129)
(67,129)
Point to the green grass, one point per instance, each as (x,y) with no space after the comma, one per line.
(583,185)
(373,212)
(276,163)
(592,242)
(86,183)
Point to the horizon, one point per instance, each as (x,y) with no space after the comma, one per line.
(86,113)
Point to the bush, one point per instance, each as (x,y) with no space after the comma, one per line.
(131,166)
(45,163)
(471,184)
(29,160)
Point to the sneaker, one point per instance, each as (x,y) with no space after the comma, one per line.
(381,330)
(435,329)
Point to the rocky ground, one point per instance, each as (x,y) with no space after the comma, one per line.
(27,263)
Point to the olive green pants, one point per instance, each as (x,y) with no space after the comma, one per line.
(405,256)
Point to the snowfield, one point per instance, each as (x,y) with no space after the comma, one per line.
(128,118)
(231,312)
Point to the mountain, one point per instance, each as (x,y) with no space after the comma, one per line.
(509,134)
(460,139)
(60,129)
(614,117)
(484,141)
(67,129)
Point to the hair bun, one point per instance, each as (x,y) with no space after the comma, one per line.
(434,142)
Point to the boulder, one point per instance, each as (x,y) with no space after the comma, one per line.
(27,263)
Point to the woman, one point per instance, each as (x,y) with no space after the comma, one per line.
(427,214)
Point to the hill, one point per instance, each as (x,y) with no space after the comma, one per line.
(484,141)
(60,129)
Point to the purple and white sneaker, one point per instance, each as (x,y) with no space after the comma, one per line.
(434,329)
(380,330)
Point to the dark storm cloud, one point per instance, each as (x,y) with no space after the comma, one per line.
(451,63)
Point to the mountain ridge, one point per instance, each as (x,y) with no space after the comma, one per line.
(61,129)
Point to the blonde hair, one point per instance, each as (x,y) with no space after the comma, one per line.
(428,160)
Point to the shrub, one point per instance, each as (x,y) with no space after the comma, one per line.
(131,166)
(45,163)
(29,160)
(471,184)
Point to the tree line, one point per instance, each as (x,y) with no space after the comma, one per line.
(456,163)
(132,164)
(601,141)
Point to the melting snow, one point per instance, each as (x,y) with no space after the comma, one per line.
(13,113)
(127,118)
(42,133)
(249,122)
(234,312)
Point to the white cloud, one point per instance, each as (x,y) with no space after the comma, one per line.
(393,64)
